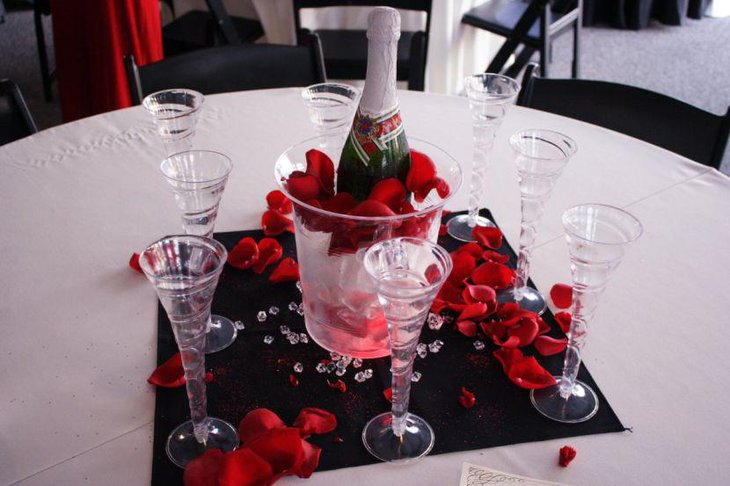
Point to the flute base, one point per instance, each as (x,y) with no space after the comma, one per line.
(531,300)
(222,333)
(182,446)
(381,442)
(580,406)
(459,228)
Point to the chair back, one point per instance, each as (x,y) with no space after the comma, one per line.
(230,68)
(640,113)
(15,119)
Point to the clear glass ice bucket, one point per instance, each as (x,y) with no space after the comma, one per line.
(341,309)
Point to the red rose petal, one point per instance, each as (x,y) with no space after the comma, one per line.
(562,295)
(338,385)
(442,188)
(169,374)
(526,331)
(286,271)
(406,208)
(309,461)
(270,251)
(547,346)
(481,293)
(493,274)
(527,373)
(508,310)
(315,421)
(244,255)
(566,455)
(564,319)
(256,422)
(372,209)
(463,266)
(475,311)
(496,257)
(443,230)
(342,203)
(388,393)
(471,248)
(422,172)
(390,192)
(277,201)
(467,328)
(303,187)
(274,223)
(203,470)
(507,357)
(543,327)
(134,263)
(280,448)
(467,398)
(243,467)
(320,166)
(293,380)
(489,236)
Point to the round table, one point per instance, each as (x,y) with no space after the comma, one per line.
(79,327)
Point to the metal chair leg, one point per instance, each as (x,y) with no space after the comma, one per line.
(43,55)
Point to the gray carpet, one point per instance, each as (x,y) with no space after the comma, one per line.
(690,62)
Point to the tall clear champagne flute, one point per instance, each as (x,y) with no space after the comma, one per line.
(331,107)
(598,237)
(490,95)
(540,156)
(184,271)
(407,274)
(175,112)
(197,179)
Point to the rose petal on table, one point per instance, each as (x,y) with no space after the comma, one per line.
(277,201)
(562,295)
(274,223)
(338,385)
(467,398)
(494,256)
(315,421)
(309,461)
(134,263)
(390,192)
(508,310)
(527,373)
(281,448)
(564,319)
(480,293)
(270,251)
(303,186)
(493,274)
(463,266)
(489,236)
(547,346)
(169,374)
(256,422)
(475,311)
(388,394)
(526,331)
(507,357)
(204,469)
(342,203)
(372,209)
(293,380)
(244,255)
(286,271)
(471,248)
(320,166)
(244,467)
(543,327)
(566,455)
(467,328)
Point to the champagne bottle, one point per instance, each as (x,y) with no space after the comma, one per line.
(376,147)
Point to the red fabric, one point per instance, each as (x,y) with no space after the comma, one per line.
(90,38)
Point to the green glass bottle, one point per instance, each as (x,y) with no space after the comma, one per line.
(376,147)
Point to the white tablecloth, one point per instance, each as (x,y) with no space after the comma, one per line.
(79,327)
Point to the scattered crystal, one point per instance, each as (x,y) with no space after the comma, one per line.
(347,360)
(284,329)
(303,338)
(435,346)
(239,325)
(341,364)
(293,306)
(261,316)
(422,350)
(298,367)
(341,371)
(416,376)
(334,355)
(299,285)
(300,310)
(478,345)
(268,339)
(331,367)
(273,310)
(321,367)
(368,373)
(435,321)
(360,377)
(293,338)
(356,363)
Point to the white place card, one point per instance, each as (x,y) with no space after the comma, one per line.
(473,475)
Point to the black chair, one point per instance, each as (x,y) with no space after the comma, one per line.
(42,8)
(198,29)
(346,51)
(230,68)
(15,119)
(640,113)
(534,25)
